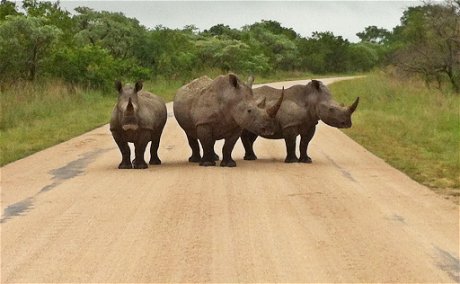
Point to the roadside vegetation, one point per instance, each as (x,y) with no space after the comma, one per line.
(57,71)
(413,128)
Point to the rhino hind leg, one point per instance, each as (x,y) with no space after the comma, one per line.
(227,150)
(204,133)
(248,138)
(303,147)
(154,159)
(125,151)
(196,156)
(289,138)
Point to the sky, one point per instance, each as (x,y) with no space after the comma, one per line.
(343,18)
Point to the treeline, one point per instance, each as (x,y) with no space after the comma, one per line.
(92,48)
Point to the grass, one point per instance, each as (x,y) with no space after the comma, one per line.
(415,129)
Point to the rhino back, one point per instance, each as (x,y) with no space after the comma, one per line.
(152,112)
(297,106)
(186,99)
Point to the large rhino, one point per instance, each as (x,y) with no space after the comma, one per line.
(210,110)
(138,117)
(303,107)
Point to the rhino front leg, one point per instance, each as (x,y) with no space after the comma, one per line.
(154,159)
(193,143)
(227,150)
(204,133)
(139,145)
(125,151)
(303,147)
(290,135)
(248,138)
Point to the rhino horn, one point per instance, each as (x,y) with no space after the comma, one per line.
(130,107)
(272,111)
(352,108)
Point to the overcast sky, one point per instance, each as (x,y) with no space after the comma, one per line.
(344,18)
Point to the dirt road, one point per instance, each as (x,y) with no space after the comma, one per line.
(69,215)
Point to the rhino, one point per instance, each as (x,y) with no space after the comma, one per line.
(303,107)
(138,117)
(210,110)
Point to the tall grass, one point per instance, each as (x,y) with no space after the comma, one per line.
(415,129)
(36,116)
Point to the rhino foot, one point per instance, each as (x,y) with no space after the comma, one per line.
(207,163)
(229,163)
(155,162)
(124,165)
(194,159)
(140,165)
(291,160)
(250,157)
(306,160)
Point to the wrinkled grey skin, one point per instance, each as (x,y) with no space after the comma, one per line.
(302,108)
(209,110)
(138,117)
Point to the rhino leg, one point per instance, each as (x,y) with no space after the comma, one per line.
(303,147)
(204,133)
(248,138)
(142,141)
(227,150)
(290,135)
(154,159)
(193,143)
(125,151)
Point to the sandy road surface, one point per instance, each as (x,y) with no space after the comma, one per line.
(68,215)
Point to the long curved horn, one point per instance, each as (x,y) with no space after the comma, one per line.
(272,111)
(352,108)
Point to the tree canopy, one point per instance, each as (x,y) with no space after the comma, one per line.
(93,48)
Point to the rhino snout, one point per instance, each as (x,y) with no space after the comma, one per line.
(130,127)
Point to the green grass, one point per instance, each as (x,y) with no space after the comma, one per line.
(415,129)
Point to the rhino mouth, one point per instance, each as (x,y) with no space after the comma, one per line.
(130,127)
(266,132)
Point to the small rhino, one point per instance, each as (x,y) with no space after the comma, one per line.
(138,117)
(303,107)
(209,110)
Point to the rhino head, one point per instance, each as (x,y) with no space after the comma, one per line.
(251,114)
(128,105)
(329,111)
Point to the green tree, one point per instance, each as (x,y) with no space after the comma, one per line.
(374,34)
(25,43)
(428,43)
(7,8)
(113,31)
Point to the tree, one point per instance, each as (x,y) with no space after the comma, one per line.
(113,31)
(7,8)
(373,34)
(25,43)
(428,43)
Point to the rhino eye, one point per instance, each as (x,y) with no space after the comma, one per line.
(249,110)
(331,109)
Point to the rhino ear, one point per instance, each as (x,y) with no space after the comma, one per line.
(138,86)
(250,81)
(316,84)
(233,81)
(118,85)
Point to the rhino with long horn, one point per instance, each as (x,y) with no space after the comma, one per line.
(210,110)
(302,108)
